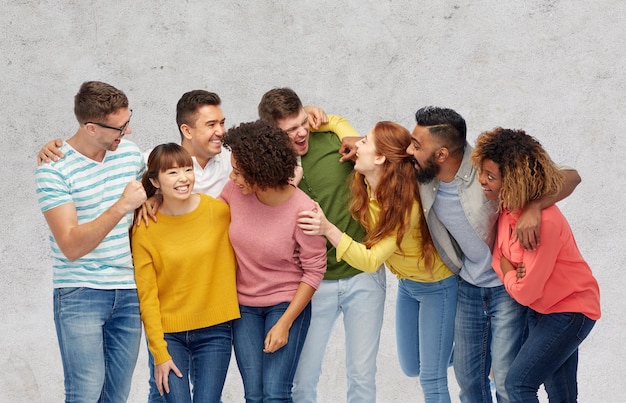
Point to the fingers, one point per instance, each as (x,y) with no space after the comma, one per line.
(176,371)
(520,271)
(272,344)
(161,383)
(267,343)
(530,240)
(144,215)
(348,155)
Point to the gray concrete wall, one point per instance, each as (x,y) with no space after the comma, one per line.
(555,68)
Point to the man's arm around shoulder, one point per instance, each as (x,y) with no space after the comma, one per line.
(528,225)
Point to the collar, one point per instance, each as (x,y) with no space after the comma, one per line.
(467,170)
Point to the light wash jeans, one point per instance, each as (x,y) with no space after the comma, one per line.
(549,356)
(488,334)
(425,333)
(361,299)
(99,332)
(267,377)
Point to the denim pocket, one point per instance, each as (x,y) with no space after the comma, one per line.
(67,292)
(380,278)
(586,325)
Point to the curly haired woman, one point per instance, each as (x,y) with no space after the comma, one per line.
(558,287)
(279,268)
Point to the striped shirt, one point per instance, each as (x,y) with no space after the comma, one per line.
(93,187)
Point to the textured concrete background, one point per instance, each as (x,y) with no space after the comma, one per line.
(555,68)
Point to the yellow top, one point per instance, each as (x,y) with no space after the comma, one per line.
(340,126)
(405,264)
(185,273)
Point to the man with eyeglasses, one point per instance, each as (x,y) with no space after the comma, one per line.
(200,122)
(88,199)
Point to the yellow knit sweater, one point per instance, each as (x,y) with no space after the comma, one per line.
(185,273)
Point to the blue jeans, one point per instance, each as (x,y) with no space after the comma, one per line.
(549,356)
(425,333)
(202,355)
(99,332)
(361,299)
(488,334)
(267,377)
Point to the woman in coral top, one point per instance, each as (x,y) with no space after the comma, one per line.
(558,286)
(278,267)
(185,275)
(385,200)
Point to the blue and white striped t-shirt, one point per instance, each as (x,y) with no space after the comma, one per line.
(92,187)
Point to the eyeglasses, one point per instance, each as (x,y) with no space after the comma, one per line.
(119,129)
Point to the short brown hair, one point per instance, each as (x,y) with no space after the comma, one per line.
(278,104)
(96,100)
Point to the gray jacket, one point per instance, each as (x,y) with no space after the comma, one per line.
(481,213)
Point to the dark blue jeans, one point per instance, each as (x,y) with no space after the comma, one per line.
(549,356)
(267,377)
(202,355)
(488,334)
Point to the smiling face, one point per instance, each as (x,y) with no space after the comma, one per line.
(205,135)
(297,128)
(490,179)
(423,149)
(368,159)
(237,177)
(175,183)
(109,138)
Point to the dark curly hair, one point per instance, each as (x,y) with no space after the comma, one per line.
(263,153)
(527,171)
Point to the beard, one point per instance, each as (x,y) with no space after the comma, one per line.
(427,171)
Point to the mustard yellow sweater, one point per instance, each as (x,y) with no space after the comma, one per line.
(407,264)
(185,273)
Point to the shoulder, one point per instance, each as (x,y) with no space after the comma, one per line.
(129,146)
(227,191)
(302,200)
(128,150)
(212,202)
(553,217)
(325,140)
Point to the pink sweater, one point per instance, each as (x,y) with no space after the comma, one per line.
(273,254)
(557,278)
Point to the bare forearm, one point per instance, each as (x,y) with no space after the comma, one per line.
(302,297)
(86,237)
(77,240)
(571,179)
(331,232)
(506,266)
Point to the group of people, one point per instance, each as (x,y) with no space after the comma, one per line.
(257,239)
